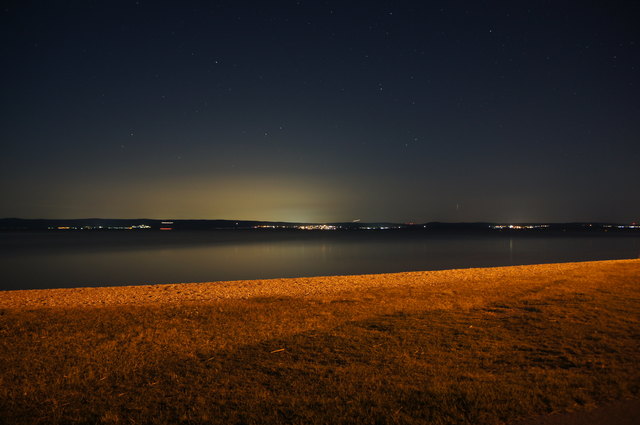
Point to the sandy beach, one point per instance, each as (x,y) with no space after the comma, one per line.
(467,346)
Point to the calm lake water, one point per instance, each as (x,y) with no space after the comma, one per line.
(74,259)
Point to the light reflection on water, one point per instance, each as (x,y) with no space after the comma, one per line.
(49,260)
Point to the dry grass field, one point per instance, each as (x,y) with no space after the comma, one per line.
(476,346)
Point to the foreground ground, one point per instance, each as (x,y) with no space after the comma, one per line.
(476,346)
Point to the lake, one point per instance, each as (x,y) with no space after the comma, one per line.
(57,259)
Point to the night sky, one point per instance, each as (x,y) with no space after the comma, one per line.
(321,111)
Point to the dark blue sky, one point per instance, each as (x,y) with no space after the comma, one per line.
(321,110)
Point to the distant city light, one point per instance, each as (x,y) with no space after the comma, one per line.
(519,226)
(134,227)
(321,227)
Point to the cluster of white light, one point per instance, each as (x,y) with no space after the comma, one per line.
(270,226)
(380,228)
(137,226)
(519,227)
(317,227)
(320,227)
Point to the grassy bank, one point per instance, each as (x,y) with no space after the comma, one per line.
(477,346)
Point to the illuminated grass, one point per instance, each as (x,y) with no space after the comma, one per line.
(464,355)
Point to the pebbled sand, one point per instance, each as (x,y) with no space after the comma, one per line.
(323,286)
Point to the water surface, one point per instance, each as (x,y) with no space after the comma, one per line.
(34,260)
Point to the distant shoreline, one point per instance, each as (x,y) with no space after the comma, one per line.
(144,224)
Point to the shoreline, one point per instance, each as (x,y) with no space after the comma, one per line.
(319,286)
